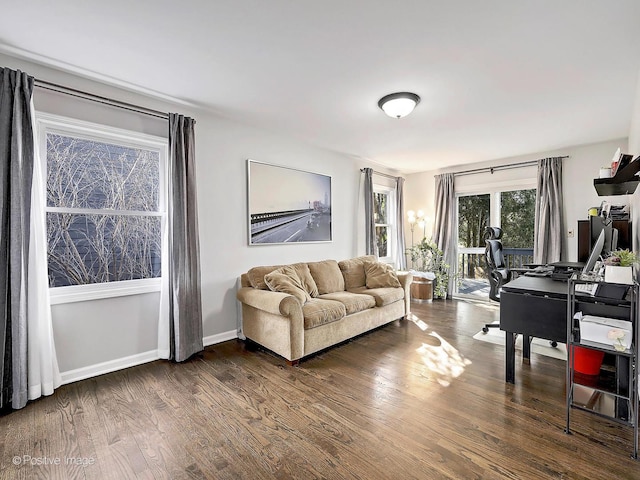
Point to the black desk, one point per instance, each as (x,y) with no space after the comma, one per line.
(537,307)
(532,307)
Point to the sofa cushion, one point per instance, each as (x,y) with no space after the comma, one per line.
(353,302)
(286,280)
(382,296)
(353,271)
(320,312)
(380,275)
(256,275)
(327,276)
(308,283)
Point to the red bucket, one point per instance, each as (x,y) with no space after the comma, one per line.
(587,361)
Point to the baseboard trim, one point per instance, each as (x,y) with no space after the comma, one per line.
(133,360)
(219,337)
(108,367)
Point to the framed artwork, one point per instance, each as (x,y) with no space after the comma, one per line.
(287,205)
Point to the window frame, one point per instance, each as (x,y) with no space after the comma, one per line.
(57,124)
(493,189)
(391,219)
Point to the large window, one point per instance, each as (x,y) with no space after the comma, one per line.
(385,222)
(104,204)
(514,212)
(517,214)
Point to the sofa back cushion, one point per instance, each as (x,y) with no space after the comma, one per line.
(308,283)
(286,280)
(353,271)
(380,275)
(256,275)
(327,276)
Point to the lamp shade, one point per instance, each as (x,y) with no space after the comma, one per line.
(398,105)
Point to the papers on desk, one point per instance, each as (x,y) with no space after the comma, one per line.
(588,288)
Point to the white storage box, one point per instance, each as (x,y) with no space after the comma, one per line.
(596,329)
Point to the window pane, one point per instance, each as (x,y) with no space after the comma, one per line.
(86,249)
(381,206)
(517,216)
(90,174)
(381,240)
(473,217)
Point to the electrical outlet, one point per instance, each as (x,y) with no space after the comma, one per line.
(570,233)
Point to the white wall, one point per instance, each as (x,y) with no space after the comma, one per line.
(634,149)
(634,129)
(97,336)
(578,172)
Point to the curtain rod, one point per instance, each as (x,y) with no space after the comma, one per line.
(381,174)
(99,99)
(501,167)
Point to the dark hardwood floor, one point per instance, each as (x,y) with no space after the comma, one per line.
(417,399)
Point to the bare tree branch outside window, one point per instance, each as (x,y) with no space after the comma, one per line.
(103,218)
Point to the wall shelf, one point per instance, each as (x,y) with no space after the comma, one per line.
(608,186)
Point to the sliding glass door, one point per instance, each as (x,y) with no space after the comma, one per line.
(514,212)
(474,214)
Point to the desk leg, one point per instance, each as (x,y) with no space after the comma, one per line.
(526,349)
(510,357)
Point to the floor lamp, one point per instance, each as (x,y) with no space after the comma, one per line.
(420,219)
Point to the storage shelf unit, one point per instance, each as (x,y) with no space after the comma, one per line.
(621,388)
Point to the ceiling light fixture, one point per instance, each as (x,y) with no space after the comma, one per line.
(398,105)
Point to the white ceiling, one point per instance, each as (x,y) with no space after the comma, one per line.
(498,78)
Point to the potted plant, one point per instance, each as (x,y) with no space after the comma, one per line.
(427,257)
(621,258)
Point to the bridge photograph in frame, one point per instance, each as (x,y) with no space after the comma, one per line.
(287,205)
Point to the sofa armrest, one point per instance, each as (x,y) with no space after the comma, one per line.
(264,300)
(405,282)
(405,279)
(282,314)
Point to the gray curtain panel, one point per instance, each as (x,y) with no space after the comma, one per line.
(185,305)
(370,225)
(16,173)
(400,250)
(445,222)
(547,244)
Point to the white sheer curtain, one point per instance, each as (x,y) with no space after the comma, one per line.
(43,374)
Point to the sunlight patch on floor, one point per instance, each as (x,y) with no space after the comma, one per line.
(421,325)
(487,305)
(443,360)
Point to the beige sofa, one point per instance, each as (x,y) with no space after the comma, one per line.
(299,309)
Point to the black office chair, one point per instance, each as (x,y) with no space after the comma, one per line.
(497,270)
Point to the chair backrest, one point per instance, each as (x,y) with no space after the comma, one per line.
(493,250)
(498,273)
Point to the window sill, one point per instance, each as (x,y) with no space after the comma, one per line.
(83,293)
